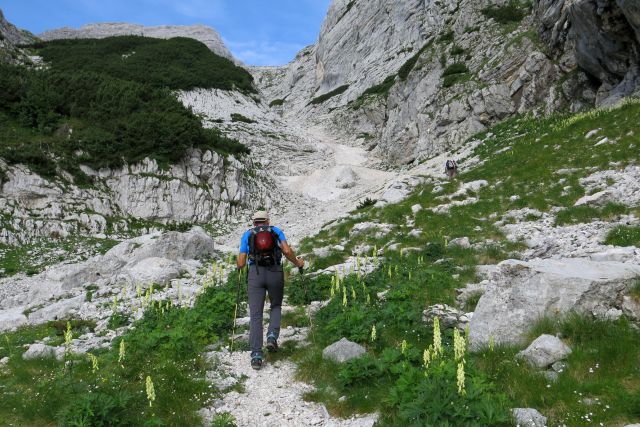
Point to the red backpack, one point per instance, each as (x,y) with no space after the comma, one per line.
(264,248)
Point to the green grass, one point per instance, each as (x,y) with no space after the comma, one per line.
(624,236)
(326,96)
(538,148)
(604,364)
(381,89)
(583,214)
(35,257)
(166,344)
(276,103)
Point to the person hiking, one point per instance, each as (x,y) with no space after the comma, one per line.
(451,168)
(262,247)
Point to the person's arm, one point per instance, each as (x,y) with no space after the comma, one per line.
(291,256)
(244,250)
(242,260)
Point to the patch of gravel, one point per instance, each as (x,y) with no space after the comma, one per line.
(271,396)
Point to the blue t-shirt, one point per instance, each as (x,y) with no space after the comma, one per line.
(244,242)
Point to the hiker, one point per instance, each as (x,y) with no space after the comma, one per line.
(264,246)
(451,168)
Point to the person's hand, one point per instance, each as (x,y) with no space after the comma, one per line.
(300,262)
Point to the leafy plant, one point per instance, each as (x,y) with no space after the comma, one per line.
(367,202)
(624,236)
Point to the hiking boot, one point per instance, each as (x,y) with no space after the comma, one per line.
(256,361)
(272,343)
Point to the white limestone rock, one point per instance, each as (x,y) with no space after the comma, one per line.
(343,350)
(42,351)
(544,351)
(528,417)
(520,292)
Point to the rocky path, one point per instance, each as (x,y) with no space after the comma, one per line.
(271,396)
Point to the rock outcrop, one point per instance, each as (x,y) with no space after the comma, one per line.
(520,293)
(203,187)
(417,78)
(10,38)
(202,33)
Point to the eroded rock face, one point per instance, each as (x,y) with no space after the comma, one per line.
(202,33)
(203,187)
(519,293)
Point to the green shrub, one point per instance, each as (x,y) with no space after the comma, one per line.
(367,202)
(177,63)
(117,320)
(114,122)
(456,68)
(322,98)
(237,117)
(511,12)
(95,409)
(457,50)
(224,419)
(407,67)
(447,37)
(276,102)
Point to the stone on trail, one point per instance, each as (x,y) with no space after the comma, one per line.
(343,350)
(528,417)
(519,293)
(544,351)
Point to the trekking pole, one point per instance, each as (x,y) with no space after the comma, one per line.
(304,283)
(235,311)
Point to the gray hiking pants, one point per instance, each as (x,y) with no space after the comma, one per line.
(262,280)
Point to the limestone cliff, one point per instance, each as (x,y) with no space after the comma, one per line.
(415,78)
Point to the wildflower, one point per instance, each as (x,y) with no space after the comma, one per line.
(151,392)
(437,338)
(121,353)
(389,272)
(491,343)
(403,346)
(368,299)
(460,378)
(68,336)
(373,333)
(353,293)
(333,290)
(94,362)
(344,296)
(426,357)
(409,274)
(459,345)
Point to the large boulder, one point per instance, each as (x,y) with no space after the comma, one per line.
(519,293)
(544,351)
(343,350)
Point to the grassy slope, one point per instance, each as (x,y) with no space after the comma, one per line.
(538,147)
(167,345)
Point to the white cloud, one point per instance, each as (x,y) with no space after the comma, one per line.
(263,52)
(195,9)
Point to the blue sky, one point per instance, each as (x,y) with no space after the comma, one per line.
(258,32)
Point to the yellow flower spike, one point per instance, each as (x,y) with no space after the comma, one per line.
(373,333)
(344,297)
(353,293)
(401,252)
(139,290)
(121,353)
(409,274)
(389,272)
(426,357)
(403,346)
(437,337)
(460,379)
(333,291)
(368,299)
(459,345)
(491,343)
(94,362)
(151,392)
(467,331)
